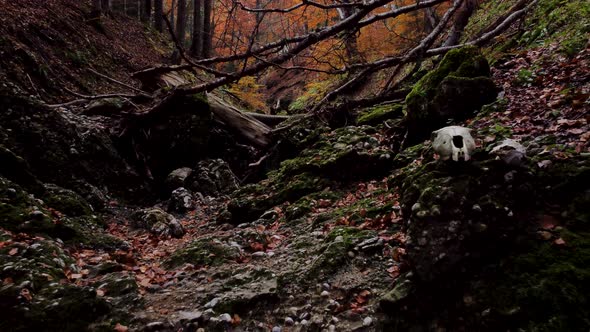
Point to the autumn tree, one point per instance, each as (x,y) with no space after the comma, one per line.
(307,36)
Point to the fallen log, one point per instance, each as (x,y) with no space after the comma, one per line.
(245,125)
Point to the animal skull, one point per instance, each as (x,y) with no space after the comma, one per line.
(453,142)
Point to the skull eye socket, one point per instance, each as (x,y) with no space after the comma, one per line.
(458,141)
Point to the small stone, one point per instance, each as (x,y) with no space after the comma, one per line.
(212,303)
(476,208)
(304,322)
(259,254)
(339,238)
(276,329)
(155,326)
(326,286)
(416,207)
(544,235)
(304,315)
(225,318)
(351,254)
(325,294)
(331,328)
(190,316)
(289,321)
(368,321)
(37,215)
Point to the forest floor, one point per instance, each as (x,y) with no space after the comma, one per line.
(327,270)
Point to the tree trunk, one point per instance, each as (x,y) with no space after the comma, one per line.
(146,13)
(207,32)
(96,9)
(197,29)
(158,9)
(106,6)
(172,7)
(350,39)
(244,125)
(461,20)
(181,22)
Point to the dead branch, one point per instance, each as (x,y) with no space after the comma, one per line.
(112,80)
(414,54)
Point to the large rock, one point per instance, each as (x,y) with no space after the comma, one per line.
(158,222)
(457,88)
(177,178)
(212,177)
(459,214)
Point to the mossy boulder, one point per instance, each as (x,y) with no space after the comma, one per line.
(454,90)
(21,212)
(334,252)
(158,222)
(212,177)
(483,256)
(66,201)
(458,213)
(204,252)
(32,297)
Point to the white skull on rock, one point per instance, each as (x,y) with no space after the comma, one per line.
(453,142)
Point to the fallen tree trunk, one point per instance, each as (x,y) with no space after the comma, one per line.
(245,125)
(267,119)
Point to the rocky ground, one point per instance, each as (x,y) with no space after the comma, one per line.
(350,229)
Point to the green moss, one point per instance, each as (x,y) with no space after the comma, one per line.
(457,87)
(564,22)
(203,252)
(463,62)
(378,114)
(546,288)
(334,252)
(66,201)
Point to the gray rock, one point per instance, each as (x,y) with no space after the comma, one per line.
(181,200)
(214,302)
(212,177)
(225,318)
(157,221)
(177,178)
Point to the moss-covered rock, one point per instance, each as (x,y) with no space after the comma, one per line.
(483,258)
(455,89)
(204,252)
(334,252)
(32,298)
(158,222)
(66,201)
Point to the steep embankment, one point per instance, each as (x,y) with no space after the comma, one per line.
(48,48)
